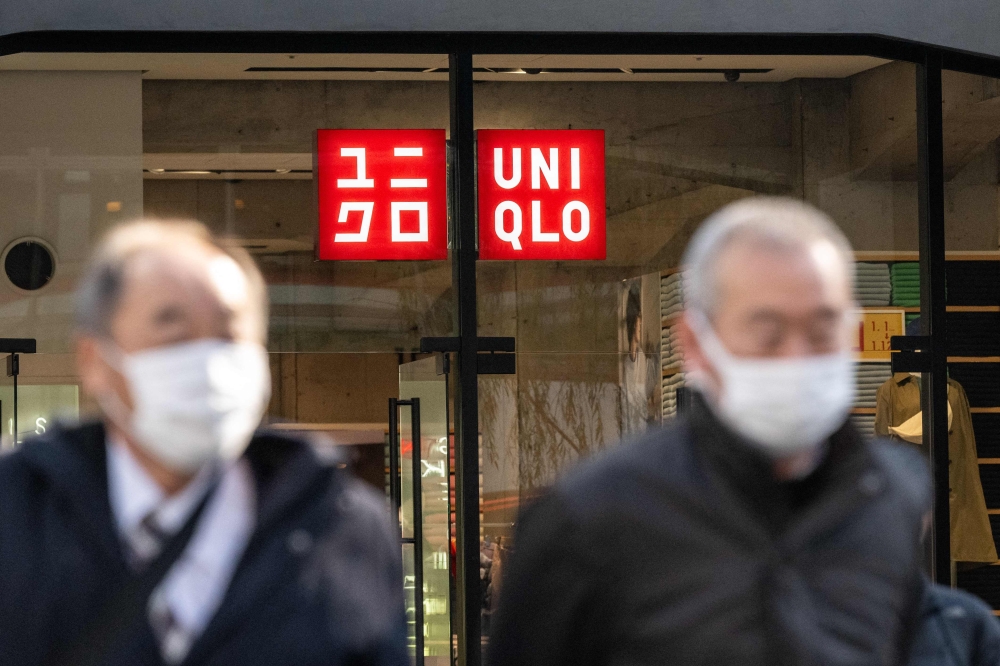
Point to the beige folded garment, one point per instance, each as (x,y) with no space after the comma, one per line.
(912,429)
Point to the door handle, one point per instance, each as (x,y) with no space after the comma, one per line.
(395,493)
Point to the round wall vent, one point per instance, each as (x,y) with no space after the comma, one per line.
(29,263)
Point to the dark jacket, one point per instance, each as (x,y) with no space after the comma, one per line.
(319,583)
(956,629)
(681,549)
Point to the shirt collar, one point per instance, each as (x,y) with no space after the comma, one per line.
(134,494)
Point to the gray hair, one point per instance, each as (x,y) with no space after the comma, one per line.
(772,222)
(100,288)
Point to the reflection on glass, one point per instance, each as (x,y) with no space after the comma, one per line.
(426,381)
(408,596)
(38,407)
(599,358)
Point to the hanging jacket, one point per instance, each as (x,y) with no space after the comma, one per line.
(319,583)
(897,401)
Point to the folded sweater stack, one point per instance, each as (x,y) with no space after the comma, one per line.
(906,284)
(865,423)
(869,377)
(671,295)
(670,350)
(872,285)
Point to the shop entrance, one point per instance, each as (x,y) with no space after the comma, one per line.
(419,482)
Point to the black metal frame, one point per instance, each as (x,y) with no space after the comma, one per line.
(934,393)
(930,61)
(15,347)
(464,257)
(418,512)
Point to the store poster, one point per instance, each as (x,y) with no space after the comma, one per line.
(638,347)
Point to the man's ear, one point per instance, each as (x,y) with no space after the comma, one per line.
(695,360)
(90,365)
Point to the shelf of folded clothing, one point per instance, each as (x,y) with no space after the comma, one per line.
(667,322)
(670,372)
(972,308)
(862,410)
(959,255)
(882,308)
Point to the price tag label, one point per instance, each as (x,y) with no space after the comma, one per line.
(875,328)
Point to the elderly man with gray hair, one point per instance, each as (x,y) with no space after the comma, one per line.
(170,530)
(760,529)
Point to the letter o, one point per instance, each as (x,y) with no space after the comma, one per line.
(567,219)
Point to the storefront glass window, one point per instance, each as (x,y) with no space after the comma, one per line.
(596,361)
(971,117)
(69,169)
(228,139)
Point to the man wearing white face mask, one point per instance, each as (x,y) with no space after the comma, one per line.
(170,531)
(760,529)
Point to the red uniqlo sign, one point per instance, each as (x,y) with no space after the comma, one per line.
(541,194)
(382,194)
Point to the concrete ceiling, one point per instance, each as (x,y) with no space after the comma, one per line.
(527,68)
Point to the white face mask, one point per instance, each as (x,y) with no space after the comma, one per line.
(783,406)
(193,402)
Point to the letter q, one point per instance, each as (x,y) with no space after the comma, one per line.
(514,235)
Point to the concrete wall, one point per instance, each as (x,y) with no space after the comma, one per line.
(675,153)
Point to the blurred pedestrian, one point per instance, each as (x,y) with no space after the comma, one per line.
(168,531)
(761,528)
(956,629)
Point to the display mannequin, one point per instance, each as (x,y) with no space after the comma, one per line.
(897,415)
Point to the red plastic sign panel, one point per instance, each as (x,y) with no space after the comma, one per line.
(382,194)
(541,194)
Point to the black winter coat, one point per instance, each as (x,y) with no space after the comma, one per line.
(680,548)
(319,583)
(956,629)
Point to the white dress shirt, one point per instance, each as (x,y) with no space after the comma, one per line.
(190,594)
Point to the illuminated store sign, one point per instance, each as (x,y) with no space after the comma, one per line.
(382,194)
(541,194)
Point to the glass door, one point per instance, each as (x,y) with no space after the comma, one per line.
(419,485)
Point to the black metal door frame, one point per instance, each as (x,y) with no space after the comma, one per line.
(464,258)
(396,500)
(934,393)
